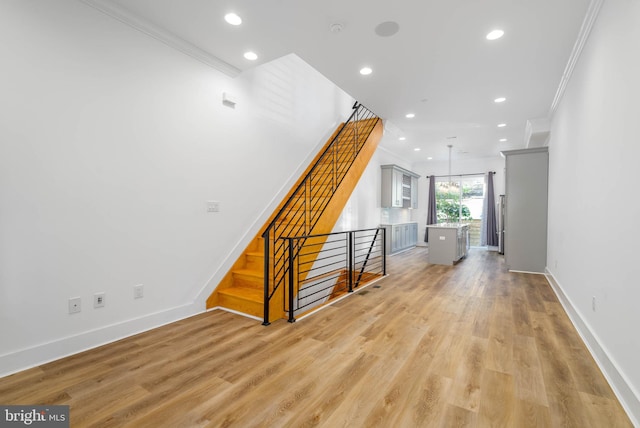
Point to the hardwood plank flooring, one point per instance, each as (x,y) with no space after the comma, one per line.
(470,345)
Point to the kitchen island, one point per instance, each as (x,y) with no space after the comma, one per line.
(448,242)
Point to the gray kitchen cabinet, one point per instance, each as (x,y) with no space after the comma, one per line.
(414,194)
(448,243)
(400,236)
(399,187)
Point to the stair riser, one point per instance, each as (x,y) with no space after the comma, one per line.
(255,262)
(241,280)
(242,305)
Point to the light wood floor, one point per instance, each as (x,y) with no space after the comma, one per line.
(432,346)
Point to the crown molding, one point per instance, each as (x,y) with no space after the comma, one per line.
(149,28)
(585,30)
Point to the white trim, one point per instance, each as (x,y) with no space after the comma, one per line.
(587,24)
(168,38)
(43,353)
(220,308)
(526,271)
(624,391)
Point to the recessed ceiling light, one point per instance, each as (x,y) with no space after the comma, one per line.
(502,140)
(495,34)
(402,138)
(365,71)
(502,125)
(251,56)
(417,149)
(500,100)
(233,19)
(410,115)
(429,158)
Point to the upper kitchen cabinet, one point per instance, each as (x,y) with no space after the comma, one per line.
(399,187)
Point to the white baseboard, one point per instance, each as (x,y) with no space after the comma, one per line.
(23,359)
(220,308)
(625,392)
(526,271)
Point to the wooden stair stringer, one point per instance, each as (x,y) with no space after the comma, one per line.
(342,194)
(338,201)
(246,295)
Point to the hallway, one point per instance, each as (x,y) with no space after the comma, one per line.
(429,345)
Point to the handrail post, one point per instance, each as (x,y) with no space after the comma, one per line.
(265,236)
(355,134)
(350,260)
(384,251)
(291,278)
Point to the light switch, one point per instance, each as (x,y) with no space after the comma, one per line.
(442,238)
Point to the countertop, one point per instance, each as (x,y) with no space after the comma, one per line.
(394,224)
(448,225)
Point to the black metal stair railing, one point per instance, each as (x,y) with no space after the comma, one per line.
(323,267)
(301,212)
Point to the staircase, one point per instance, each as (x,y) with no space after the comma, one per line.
(313,206)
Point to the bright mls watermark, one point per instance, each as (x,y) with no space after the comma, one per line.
(34,416)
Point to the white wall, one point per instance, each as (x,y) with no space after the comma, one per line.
(593,207)
(363,210)
(111,144)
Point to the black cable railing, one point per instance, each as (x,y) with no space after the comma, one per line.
(320,267)
(301,212)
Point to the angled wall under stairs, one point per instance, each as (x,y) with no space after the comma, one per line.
(242,288)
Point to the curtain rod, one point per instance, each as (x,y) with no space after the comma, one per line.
(460,175)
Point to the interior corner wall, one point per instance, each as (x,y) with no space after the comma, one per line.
(363,209)
(593,162)
(112,144)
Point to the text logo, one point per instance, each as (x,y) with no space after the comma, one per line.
(34,416)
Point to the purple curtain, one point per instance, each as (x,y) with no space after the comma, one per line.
(490,229)
(432,216)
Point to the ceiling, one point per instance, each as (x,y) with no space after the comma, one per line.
(438,65)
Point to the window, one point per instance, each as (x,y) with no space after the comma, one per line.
(460,200)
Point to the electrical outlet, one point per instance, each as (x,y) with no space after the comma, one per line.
(138,291)
(75,305)
(98,300)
